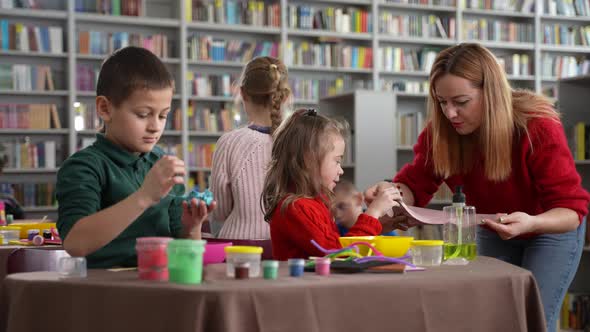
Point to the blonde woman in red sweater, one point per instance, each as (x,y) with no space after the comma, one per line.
(297,196)
(508,150)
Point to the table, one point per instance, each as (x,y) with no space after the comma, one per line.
(486,295)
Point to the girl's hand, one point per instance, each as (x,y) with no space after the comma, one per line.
(194,215)
(372,193)
(166,172)
(385,200)
(512,225)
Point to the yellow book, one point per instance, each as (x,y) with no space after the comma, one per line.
(580,141)
(188,10)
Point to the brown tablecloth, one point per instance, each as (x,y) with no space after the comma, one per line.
(486,295)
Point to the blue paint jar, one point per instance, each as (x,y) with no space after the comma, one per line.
(296,267)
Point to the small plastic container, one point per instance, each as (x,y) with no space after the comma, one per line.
(152,259)
(243,254)
(322,266)
(185,261)
(9,233)
(427,252)
(296,266)
(72,267)
(270,269)
(31,233)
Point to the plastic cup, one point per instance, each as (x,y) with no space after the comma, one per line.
(72,267)
(152,259)
(296,267)
(322,266)
(185,261)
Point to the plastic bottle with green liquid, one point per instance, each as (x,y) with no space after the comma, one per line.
(459,233)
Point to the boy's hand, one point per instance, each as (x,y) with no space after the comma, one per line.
(385,200)
(167,172)
(194,215)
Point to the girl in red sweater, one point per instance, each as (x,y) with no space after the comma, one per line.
(304,169)
(508,150)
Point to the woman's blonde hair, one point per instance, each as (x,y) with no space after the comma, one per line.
(505,114)
(265,81)
(299,147)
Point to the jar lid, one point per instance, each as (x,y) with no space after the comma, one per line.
(270,263)
(427,243)
(296,261)
(186,243)
(154,240)
(9,228)
(243,249)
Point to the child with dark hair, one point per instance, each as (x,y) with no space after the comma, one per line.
(123,186)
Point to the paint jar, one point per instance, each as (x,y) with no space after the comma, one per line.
(72,267)
(270,269)
(152,259)
(243,254)
(185,261)
(47,234)
(31,233)
(242,270)
(296,266)
(427,252)
(322,266)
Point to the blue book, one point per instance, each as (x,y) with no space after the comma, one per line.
(5,34)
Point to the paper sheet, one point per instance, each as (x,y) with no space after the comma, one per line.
(435,217)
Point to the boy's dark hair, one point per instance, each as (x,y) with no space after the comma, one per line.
(129,69)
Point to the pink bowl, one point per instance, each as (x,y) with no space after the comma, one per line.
(214,252)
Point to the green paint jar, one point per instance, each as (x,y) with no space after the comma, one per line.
(270,269)
(185,261)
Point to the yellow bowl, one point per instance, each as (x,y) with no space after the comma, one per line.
(393,246)
(345,241)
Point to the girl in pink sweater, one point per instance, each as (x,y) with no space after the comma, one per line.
(241,157)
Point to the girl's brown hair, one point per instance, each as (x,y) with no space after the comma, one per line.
(265,81)
(505,114)
(297,152)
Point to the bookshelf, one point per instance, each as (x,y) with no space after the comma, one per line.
(577,125)
(320,60)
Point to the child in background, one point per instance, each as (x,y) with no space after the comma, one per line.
(241,156)
(298,190)
(348,206)
(123,186)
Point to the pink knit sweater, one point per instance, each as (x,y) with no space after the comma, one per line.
(239,167)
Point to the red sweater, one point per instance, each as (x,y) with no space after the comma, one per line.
(543,176)
(292,230)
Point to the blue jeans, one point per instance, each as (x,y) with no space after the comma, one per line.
(552,258)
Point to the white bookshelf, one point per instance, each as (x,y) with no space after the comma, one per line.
(169,17)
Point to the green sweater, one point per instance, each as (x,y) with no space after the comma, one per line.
(102,175)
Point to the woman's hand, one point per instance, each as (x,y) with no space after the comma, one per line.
(386,199)
(511,225)
(193,216)
(371,193)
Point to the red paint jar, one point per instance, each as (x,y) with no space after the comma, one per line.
(152,259)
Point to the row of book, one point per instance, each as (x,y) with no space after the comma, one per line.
(206,85)
(223,119)
(103,42)
(344,20)
(31,194)
(566,7)
(207,48)
(404,85)
(523,6)
(560,66)
(29,116)
(26,77)
(424,26)
(27,154)
(497,30)
(249,12)
(28,4)
(561,34)
(398,59)
(313,89)
(199,154)
(446,3)
(409,126)
(328,55)
(516,64)
(31,38)
(86,77)
(111,7)
(575,312)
